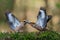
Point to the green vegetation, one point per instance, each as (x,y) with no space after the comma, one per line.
(58,5)
(4,5)
(47,35)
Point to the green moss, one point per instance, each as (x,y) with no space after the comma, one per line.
(47,35)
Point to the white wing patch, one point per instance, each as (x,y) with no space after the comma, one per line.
(42,14)
(41,19)
(14,21)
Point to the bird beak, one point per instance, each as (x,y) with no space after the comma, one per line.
(26,21)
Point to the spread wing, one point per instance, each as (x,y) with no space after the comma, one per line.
(15,19)
(41,18)
(12,20)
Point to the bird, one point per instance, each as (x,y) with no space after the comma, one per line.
(42,20)
(13,22)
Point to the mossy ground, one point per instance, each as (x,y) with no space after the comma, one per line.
(46,35)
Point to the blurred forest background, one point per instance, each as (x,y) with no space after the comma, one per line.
(28,9)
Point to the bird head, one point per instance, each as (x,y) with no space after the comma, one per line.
(26,21)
